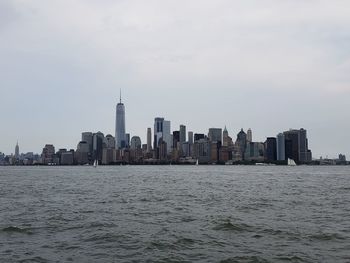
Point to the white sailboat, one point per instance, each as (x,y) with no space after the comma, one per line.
(95,163)
(291,162)
(197,162)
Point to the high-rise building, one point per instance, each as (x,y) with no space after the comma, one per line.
(215,135)
(190,137)
(296,146)
(249,135)
(127,140)
(87,137)
(198,136)
(176,139)
(98,139)
(135,143)
(120,136)
(280,147)
(241,144)
(48,153)
(162,131)
(182,134)
(109,141)
(226,140)
(271,149)
(149,139)
(17,151)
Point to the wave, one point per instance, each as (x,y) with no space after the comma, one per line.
(244,259)
(15,229)
(236,227)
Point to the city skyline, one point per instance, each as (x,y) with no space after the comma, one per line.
(268,66)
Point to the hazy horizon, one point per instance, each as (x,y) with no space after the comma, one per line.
(269,66)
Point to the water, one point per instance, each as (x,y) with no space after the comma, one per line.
(175,214)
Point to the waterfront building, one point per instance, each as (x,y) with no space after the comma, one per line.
(254,151)
(185,149)
(108,155)
(214,151)
(149,140)
(48,154)
(249,135)
(296,146)
(109,142)
(98,139)
(280,147)
(215,135)
(81,155)
(135,143)
(67,158)
(271,149)
(87,137)
(120,135)
(201,150)
(182,134)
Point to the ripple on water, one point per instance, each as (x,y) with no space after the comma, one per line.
(245,259)
(227,225)
(16,229)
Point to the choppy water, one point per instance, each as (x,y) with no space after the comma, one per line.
(175,214)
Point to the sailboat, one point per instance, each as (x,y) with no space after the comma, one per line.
(197,162)
(95,163)
(291,162)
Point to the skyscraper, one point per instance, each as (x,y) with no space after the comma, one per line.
(149,139)
(249,135)
(215,134)
(182,134)
(271,152)
(190,137)
(281,148)
(17,151)
(296,144)
(120,137)
(162,131)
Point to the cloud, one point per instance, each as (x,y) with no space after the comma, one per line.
(246,54)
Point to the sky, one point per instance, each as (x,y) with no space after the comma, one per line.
(266,65)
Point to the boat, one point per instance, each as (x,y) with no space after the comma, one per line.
(95,163)
(197,162)
(291,162)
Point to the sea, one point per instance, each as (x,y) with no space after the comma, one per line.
(175,213)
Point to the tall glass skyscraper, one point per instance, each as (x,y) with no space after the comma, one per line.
(120,137)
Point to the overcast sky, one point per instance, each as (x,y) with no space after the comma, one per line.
(267,65)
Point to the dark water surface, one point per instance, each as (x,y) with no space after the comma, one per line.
(175,214)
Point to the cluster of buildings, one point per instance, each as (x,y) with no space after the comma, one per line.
(164,146)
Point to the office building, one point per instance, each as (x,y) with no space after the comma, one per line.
(149,140)
(198,136)
(280,147)
(271,149)
(249,135)
(190,137)
(17,151)
(176,139)
(98,139)
(162,131)
(135,143)
(120,136)
(182,134)
(215,135)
